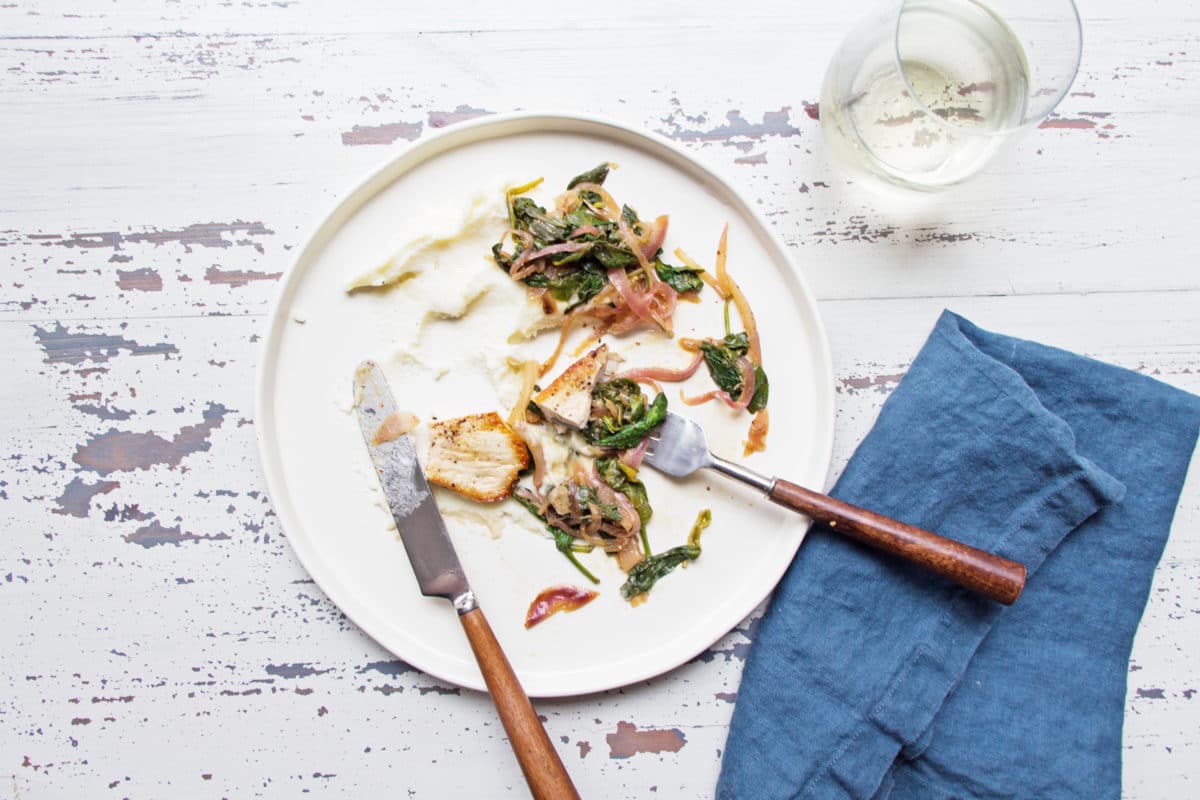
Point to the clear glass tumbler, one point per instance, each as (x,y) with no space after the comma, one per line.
(925,92)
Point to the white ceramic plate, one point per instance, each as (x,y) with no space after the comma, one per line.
(319,476)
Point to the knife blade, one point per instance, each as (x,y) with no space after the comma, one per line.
(439,574)
(422,530)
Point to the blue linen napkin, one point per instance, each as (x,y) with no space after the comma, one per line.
(869,678)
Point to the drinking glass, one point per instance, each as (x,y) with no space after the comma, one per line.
(925,92)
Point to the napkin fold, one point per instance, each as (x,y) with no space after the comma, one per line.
(868,678)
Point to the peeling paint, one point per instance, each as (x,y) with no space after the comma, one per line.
(1067,123)
(1152,694)
(104,412)
(139,280)
(76,499)
(299,670)
(628,740)
(756,159)
(381,134)
(736,131)
(155,533)
(204,234)
(63,347)
(393,669)
(237,277)
(125,451)
(882,384)
(462,113)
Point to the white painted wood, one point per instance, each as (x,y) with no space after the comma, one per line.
(159,163)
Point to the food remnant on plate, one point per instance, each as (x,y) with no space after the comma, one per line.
(735,362)
(621,418)
(568,399)
(395,426)
(646,573)
(478,456)
(596,258)
(557,598)
(413,256)
(569,453)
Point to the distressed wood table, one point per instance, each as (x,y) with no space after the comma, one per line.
(159,165)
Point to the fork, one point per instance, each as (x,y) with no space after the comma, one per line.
(678,448)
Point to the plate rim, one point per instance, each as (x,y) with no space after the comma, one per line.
(360,192)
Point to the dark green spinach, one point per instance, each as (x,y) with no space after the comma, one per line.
(721,359)
(649,570)
(594,175)
(626,418)
(681,279)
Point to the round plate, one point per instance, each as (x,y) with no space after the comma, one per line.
(318,472)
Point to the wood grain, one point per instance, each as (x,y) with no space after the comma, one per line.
(990,575)
(540,762)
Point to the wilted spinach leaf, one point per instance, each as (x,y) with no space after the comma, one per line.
(649,570)
(681,279)
(593,175)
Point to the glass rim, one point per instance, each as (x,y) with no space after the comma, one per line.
(1025,122)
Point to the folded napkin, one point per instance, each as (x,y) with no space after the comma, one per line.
(868,678)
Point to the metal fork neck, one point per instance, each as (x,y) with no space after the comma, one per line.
(746,476)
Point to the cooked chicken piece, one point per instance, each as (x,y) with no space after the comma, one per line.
(477,456)
(569,398)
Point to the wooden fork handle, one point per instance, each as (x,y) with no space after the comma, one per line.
(544,770)
(990,575)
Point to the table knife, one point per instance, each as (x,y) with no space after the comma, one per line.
(439,574)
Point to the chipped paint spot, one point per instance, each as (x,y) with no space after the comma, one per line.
(752,160)
(139,280)
(813,110)
(1067,123)
(728,697)
(107,413)
(381,134)
(858,229)
(204,234)
(1151,694)
(880,383)
(629,741)
(393,669)
(125,451)
(440,119)
(585,747)
(738,650)
(76,499)
(299,670)
(63,347)
(424,690)
(237,277)
(155,533)
(737,131)
(126,513)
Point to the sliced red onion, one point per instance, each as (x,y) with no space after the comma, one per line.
(633,457)
(663,373)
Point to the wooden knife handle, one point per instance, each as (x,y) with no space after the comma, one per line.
(544,770)
(998,578)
